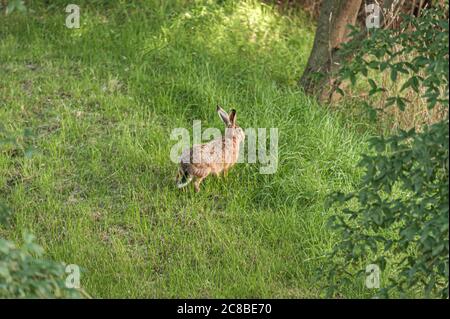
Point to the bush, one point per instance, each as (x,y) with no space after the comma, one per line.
(399,214)
(25,274)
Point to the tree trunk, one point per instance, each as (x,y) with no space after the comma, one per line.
(335,15)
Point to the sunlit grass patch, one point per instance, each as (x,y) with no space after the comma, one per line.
(99,191)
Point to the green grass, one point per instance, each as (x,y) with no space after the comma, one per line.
(99,189)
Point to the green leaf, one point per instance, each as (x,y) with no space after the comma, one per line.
(372,83)
(394,74)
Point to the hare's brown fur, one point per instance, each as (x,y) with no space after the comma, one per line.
(213,157)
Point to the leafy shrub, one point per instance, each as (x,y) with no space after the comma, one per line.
(12,5)
(398,216)
(25,274)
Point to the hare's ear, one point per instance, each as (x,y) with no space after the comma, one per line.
(232,117)
(223,115)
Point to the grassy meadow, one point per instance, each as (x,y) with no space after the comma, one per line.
(101,101)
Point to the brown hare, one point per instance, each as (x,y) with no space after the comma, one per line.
(213,157)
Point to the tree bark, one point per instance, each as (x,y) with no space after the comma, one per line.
(332,31)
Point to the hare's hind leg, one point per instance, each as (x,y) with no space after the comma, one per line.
(225,171)
(197,182)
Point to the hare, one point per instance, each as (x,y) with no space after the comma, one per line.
(213,157)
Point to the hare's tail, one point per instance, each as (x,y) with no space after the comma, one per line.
(184,178)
